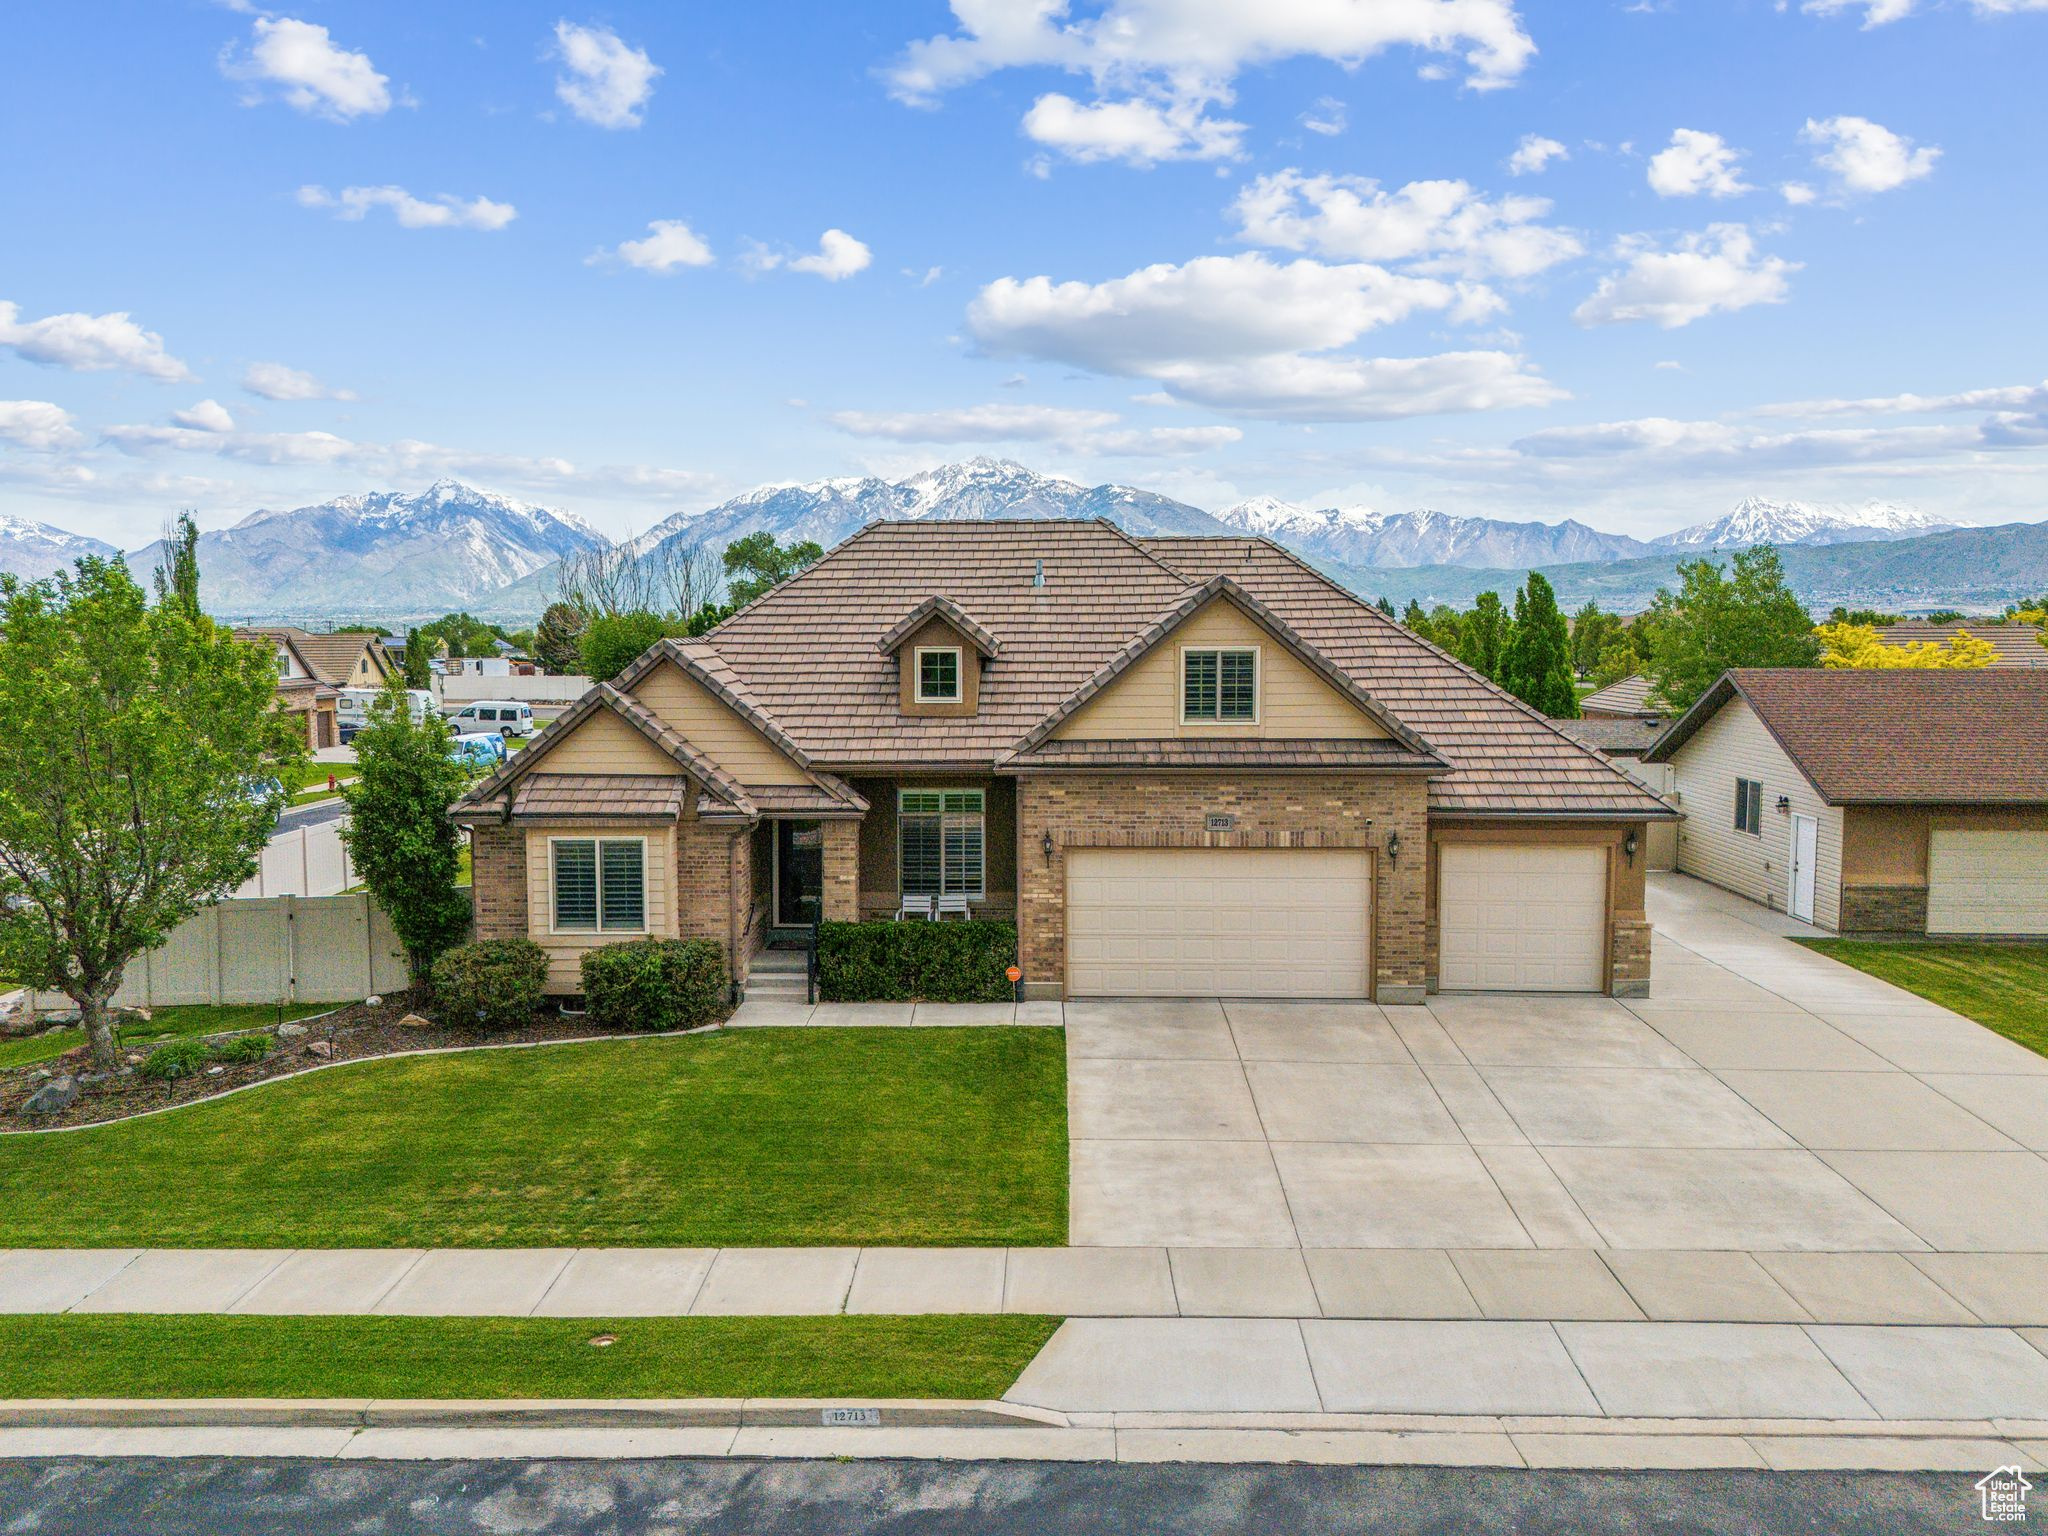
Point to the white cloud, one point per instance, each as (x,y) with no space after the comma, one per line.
(1439,226)
(206,416)
(839,255)
(90,344)
(1697,162)
(670,244)
(1716,271)
(37,425)
(607,82)
(310,71)
(2003,397)
(1327,117)
(446,211)
(1242,333)
(1136,131)
(1084,431)
(274,381)
(1875,12)
(1534,153)
(1864,156)
(1797,193)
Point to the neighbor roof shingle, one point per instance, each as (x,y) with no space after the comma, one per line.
(2018,645)
(1630,696)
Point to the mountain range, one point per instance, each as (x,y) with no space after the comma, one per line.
(397,557)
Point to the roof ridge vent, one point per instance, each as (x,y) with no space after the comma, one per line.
(1038,573)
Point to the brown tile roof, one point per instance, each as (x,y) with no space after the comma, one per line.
(1616,735)
(1898,735)
(952,613)
(804,655)
(1630,696)
(1199,752)
(830,796)
(599,796)
(2018,645)
(332,658)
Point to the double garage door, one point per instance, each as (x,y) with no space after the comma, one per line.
(1297,922)
(1991,882)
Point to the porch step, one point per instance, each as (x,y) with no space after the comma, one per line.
(777,962)
(773,988)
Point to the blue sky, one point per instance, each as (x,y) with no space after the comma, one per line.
(631,260)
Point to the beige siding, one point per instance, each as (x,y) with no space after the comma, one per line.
(603,743)
(1294,703)
(714,729)
(1660,838)
(1735,744)
(566,950)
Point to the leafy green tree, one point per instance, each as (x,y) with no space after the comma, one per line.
(1537,666)
(464,634)
(1619,660)
(707,618)
(1484,635)
(756,563)
(1716,620)
(399,835)
(142,766)
(612,641)
(558,639)
(1594,630)
(419,660)
(1866,618)
(177,579)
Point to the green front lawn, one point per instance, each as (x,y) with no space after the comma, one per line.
(2002,986)
(81,1356)
(741,1138)
(163,1024)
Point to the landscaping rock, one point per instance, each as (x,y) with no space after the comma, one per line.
(58,1094)
(415,1021)
(290,1031)
(321,1049)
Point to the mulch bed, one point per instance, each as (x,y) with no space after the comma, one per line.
(356,1032)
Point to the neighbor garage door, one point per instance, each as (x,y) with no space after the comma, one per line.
(1987,881)
(1521,919)
(1218,922)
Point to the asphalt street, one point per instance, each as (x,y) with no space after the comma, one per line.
(826,1498)
(317,814)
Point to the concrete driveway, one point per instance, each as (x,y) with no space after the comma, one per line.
(1765,1100)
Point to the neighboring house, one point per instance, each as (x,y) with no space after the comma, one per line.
(2018,645)
(1182,766)
(1878,802)
(1621,723)
(1628,699)
(299,691)
(339,660)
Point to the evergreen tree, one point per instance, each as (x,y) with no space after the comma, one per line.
(1385,605)
(1537,666)
(177,579)
(1483,635)
(558,640)
(419,660)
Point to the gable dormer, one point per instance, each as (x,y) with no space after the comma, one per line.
(940,653)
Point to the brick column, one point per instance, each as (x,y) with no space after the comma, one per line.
(497,859)
(1631,957)
(842,871)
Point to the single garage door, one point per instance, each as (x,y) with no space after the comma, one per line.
(1218,922)
(1987,881)
(1521,919)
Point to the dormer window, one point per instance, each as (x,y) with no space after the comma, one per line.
(1220,684)
(938,674)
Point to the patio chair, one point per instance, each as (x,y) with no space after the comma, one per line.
(915,906)
(954,905)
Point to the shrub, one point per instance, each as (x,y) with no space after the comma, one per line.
(178,1059)
(656,984)
(241,1049)
(943,962)
(496,984)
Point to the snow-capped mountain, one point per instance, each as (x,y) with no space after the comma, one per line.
(34,550)
(1759,520)
(386,552)
(1397,540)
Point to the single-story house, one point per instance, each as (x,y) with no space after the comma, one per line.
(1181,766)
(2017,644)
(1900,801)
(345,660)
(299,691)
(1628,699)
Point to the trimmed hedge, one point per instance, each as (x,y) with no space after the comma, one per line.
(926,962)
(654,985)
(497,984)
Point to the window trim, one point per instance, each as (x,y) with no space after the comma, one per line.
(959,693)
(1749,806)
(980,892)
(1257,653)
(597,842)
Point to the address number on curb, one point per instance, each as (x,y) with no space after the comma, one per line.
(859,1418)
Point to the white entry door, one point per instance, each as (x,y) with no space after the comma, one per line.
(1521,918)
(1805,852)
(1219,922)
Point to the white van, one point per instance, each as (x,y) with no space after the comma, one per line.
(352,707)
(506,717)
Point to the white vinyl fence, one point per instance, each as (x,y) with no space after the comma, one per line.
(284,949)
(306,861)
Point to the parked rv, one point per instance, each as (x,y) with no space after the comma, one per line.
(352,707)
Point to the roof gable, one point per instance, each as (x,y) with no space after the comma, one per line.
(955,619)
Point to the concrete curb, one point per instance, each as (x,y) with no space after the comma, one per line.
(566,1413)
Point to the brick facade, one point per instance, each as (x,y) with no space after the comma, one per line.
(841,894)
(1884,909)
(1629,957)
(1271,811)
(497,859)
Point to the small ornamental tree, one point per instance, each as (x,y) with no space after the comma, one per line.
(399,836)
(142,764)
(1855,647)
(558,639)
(1537,668)
(613,641)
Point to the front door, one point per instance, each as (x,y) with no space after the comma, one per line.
(1805,851)
(799,873)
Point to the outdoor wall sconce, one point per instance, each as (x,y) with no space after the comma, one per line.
(1628,847)
(1393,847)
(1045,842)
(1784,804)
